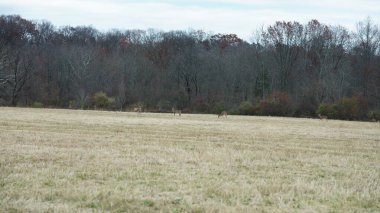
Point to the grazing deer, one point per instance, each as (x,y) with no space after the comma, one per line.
(137,109)
(322,117)
(176,111)
(224,113)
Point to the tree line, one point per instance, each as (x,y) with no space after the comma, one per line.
(288,69)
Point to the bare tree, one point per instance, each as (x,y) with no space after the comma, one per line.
(284,39)
(325,49)
(20,67)
(366,51)
(79,60)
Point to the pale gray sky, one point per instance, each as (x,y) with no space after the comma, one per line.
(225,16)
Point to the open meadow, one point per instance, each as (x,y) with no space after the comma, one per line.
(85,161)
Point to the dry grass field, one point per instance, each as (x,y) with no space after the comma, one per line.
(94,161)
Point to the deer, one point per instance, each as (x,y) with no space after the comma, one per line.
(322,117)
(174,110)
(224,113)
(137,109)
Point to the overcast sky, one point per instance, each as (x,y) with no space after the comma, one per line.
(219,16)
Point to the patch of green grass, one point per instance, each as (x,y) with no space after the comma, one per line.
(148,203)
(93,205)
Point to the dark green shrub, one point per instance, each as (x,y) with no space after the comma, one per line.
(327,109)
(37,104)
(374,115)
(232,111)
(217,108)
(246,108)
(353,108)
(101,100)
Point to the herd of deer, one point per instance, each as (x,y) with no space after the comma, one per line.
(179,112)
(222,114)
(175,111)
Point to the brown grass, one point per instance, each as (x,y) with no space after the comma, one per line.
(72,160)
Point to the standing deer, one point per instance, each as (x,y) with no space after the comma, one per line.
(224,113)
(137,109)
(176,111)
(322,117)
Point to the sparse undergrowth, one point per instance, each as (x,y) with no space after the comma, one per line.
(73,160)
